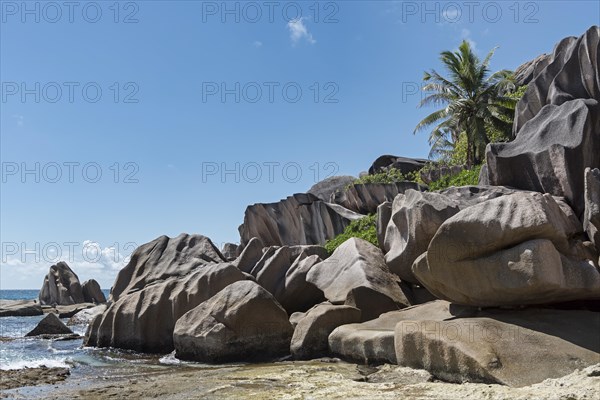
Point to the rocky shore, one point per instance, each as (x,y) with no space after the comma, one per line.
(495,286)
(317,379)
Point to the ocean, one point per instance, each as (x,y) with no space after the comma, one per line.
(17,351)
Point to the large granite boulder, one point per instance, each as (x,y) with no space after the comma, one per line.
(313,330)
(84,317)
(20,308)
(513,250)
(297,220)
(162,258)
(240,323)
(143,320)
(298,294)
(271,272)
(403,164)
(50,325)
(510,347)
(251,253)
(372,342)
(61,286)
(591,217)
(414,220)
(229,251)
(325,188)
(364,198)
(356,275)
(92,292)
(557,125)
(526,72)
(406,227)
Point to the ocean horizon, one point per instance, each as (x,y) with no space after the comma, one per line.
(28,294)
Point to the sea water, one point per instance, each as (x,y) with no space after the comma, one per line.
(18,351)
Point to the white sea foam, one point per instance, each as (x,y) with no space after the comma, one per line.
(47,362)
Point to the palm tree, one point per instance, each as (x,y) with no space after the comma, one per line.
(475,102)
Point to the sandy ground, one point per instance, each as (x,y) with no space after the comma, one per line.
(31,376)
(303,380)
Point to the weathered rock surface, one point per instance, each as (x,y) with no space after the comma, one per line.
(513,250)
(144,320)
(415,218)
(297,220)
(92,292)
(86,316)
(406,227)
(372,342)
(403,164)
(61,286)
(67,311)
(20,308)
(163,258)
(529,70)
(240,323)
(229,251)
(249,255)
(591,217)
(325,188)
(366,197)
(356,275)
(557,125)
(511,347)
(312,331)
(50,325)
(298,294)
(289,286)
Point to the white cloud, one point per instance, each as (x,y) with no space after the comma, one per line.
(257,43)
(27,268)
(298,31)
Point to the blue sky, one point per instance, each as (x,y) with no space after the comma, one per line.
(168,122)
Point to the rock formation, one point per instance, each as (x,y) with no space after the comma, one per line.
(61,286)
(298,219)
(356,275)
(163,258)
(92,292)
(403,164)
(366,197)
(50,325)
(562,98)
(243,322)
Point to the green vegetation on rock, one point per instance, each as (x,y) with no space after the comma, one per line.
(364,228)
(463,178)
(392,175)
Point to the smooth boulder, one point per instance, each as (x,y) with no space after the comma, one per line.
(144,320)
(61,286)
(509,347)
(274,272)
(372,342)
(92,292)
(86,316)
(243,322)
(50,325)
(313,329)
(356,275)
(20,308)
(513,250)
(163,258)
